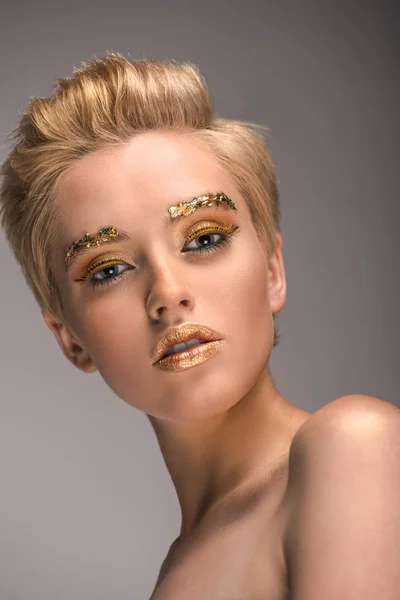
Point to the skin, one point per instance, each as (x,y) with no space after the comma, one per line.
(224,430)
(271,506)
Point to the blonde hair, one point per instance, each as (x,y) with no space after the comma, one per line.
(105,102)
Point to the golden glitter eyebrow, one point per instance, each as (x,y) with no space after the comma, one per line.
(113,235)
(106,234)
(186,208)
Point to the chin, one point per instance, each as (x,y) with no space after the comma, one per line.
(197,402)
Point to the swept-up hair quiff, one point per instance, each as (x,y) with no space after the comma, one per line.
(106,102)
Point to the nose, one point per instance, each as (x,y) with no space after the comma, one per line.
(170,295)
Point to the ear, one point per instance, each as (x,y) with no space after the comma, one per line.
(277,277)
(69,344)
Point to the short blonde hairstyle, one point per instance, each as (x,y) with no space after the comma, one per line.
(106,102)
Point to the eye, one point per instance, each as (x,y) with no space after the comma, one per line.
(205,240)
(104,272)
(210,238)
(110,272)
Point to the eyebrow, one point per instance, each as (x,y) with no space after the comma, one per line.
(122,236)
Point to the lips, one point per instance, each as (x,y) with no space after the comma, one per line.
(184,333)
(183,346)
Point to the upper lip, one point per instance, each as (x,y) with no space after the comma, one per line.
(177,335)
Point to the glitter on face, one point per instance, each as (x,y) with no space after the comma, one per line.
(187,359)
(187,208)
(179,210)
(88,240)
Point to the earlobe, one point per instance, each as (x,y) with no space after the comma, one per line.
(69,344)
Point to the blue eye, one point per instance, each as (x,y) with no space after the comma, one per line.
(112,273)
(109,270)
(206,243)
(112,267)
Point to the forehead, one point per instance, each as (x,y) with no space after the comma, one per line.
(137,180)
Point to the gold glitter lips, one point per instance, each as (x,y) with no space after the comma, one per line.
(190,357)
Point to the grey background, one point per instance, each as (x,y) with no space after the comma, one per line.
(87,509)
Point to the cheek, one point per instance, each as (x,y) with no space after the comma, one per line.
(251,327)
(247,290)
(232,297)
(116,335)
(108,324)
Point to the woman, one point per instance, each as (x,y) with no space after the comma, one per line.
(149,232)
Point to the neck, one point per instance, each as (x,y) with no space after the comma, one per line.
(211,459)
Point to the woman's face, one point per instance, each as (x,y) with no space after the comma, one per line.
(160,279)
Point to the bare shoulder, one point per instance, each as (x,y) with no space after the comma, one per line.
(343,490)
(347,418)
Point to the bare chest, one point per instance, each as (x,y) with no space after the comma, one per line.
(237,559)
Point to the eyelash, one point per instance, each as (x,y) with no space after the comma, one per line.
(226,234)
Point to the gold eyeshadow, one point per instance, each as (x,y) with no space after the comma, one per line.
(209,227)
(88,240)
(111,234)
(106,262)
(202,228)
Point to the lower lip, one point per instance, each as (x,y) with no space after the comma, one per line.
(189,358)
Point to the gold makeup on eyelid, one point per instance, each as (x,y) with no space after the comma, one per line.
(104,263)
(209,227)
(203,228)
(179,210)
(89,240)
